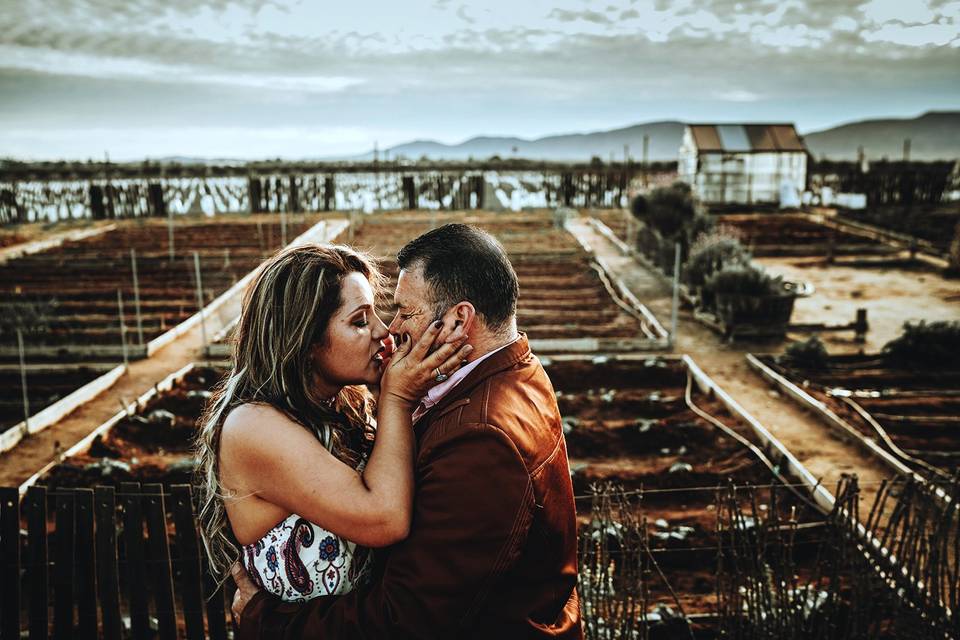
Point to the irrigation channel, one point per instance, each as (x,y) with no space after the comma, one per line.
(695,520)
(910,416)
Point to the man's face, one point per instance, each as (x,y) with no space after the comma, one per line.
(414,309)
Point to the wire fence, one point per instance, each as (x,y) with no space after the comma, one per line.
(894,574)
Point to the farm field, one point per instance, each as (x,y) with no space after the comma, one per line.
(845,272)
(935,224)
(629,422)
(782,234)
(46,385)
(561,294)
(646,444)
(64,303)
(625,422)
(65,299)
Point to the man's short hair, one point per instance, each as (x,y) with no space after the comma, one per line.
(463,263)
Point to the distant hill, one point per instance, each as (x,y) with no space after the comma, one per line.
(933,136)
(664,141)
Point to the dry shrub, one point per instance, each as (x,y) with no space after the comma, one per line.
(711,252)
(746,280)
(928,344)
(807,354)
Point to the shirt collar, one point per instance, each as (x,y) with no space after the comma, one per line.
(437,393)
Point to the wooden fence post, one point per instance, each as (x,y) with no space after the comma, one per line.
(10,563)
(36,504)
(86,565)
(136,561)
(159,554)
(189,561)
(63,565)
(108,580)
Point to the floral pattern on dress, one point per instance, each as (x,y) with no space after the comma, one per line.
(286,563)
(298,560)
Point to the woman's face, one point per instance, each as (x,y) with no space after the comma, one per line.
(352,350)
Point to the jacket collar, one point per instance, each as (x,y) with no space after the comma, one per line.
(499,361)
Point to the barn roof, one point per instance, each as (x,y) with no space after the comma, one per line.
(746,137)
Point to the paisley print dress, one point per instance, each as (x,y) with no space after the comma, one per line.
(298,561)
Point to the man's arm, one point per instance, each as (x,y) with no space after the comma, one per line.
(472,512)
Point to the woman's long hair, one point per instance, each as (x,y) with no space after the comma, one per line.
(285,312)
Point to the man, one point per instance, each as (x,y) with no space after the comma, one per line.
(492,547)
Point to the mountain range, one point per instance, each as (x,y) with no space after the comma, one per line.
(933,136)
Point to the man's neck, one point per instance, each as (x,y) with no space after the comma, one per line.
(485,342)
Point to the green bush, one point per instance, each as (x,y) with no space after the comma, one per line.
(808,354)
(934,344)
(745,280)
(712,252)
(666,209)
(701,224)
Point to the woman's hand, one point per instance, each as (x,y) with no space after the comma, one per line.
(412,371)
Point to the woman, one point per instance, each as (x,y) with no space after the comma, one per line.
(292,482)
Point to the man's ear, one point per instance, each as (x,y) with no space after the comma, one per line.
(463,316)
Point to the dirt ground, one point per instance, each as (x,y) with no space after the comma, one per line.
(31,231)
(891,297)
(21,462)
(34,452)
(823,453)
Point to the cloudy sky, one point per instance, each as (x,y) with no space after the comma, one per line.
(255,78)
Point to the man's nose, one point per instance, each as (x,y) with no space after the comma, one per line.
(394,327)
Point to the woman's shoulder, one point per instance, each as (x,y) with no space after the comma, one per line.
(257,423)
(247,412)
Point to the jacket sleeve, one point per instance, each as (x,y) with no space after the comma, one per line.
(472,512)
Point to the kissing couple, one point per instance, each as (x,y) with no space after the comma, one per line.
(442,507)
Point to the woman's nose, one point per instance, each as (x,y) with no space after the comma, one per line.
(379,329)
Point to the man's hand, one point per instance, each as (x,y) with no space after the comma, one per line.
(245,590)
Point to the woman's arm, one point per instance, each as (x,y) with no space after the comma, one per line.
(264,452)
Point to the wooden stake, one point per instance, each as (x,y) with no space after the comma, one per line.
(136,294)
(23,383)
(170,232)
(675,305)
(123,329)
(200,305)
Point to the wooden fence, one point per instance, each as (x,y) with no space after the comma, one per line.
(125,563)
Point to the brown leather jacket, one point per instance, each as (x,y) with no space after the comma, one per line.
(492,551)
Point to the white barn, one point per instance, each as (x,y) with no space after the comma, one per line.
(744,163)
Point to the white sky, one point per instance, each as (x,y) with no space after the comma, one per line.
(291,78)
